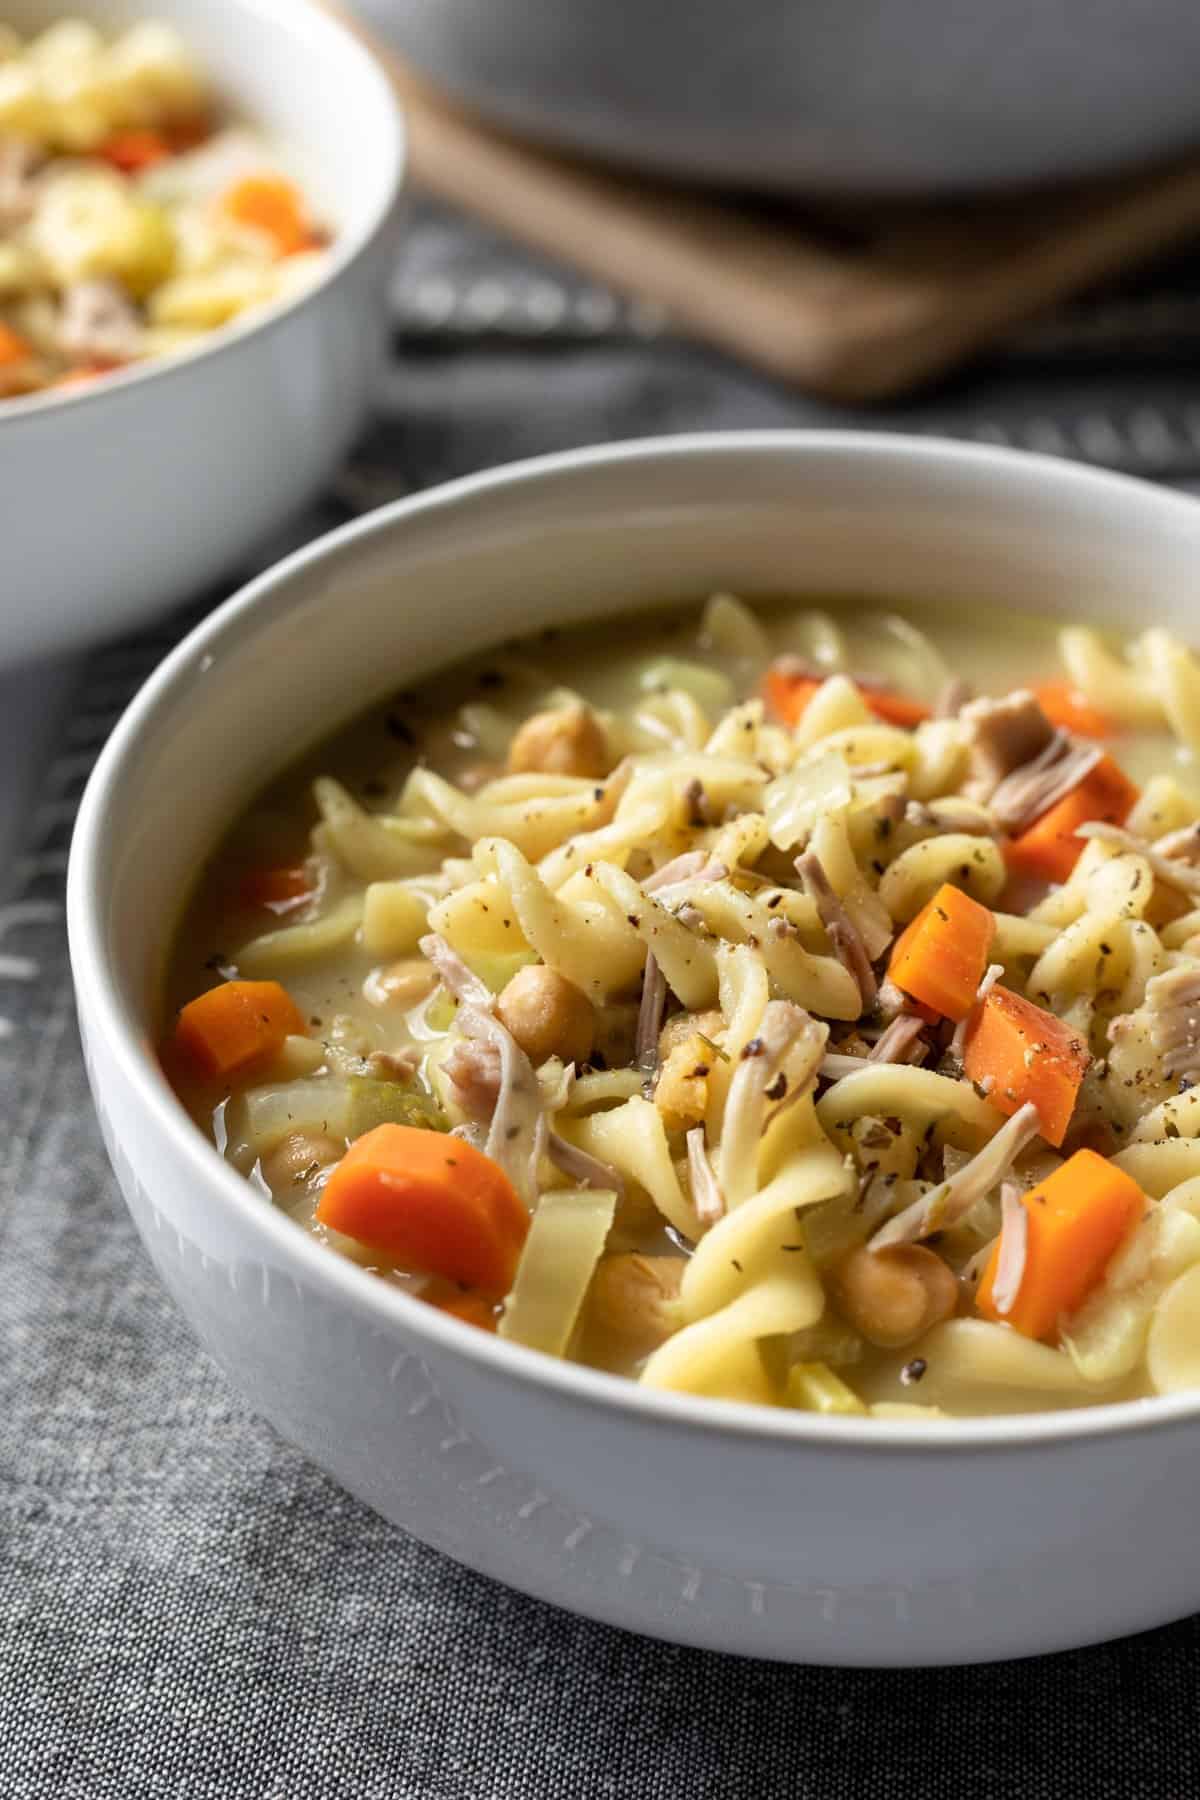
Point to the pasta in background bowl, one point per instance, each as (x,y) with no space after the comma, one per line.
(215,177)
(135,219)
(802,1528)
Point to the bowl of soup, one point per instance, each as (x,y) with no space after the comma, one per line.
(848,98)
(197,213)
(646,1005)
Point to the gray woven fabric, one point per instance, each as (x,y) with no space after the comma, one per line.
(187,1607)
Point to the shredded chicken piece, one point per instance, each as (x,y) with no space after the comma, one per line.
(393,1065)
(1004,735)
(947,1202)
(1184,844)
(98,320)
(953,697)
(991,976)
(19,160)
(454,973)
(1173,1002)
(588,1171)
(844,935)
(473,1071)
(1014,1244)
(517,1134)
(650,1016)
(1173,870)
(672,885)
(890,1001)
(1041,783)
(707,1197)
(556,1097)
(901,1042)
(680,868)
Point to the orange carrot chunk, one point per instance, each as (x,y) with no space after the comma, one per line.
(1019,1052)
(895,709)
(1076,1219)
(940,957)
(1049,849)
(1070,710)
(13,347)
(278,889)
(788,696)
(429,1202)
(231,1027)
(135,149)
(271,205)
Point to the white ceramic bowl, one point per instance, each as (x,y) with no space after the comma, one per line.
(121,499)
(772,1533)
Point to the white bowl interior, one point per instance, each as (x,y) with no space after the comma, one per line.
(288,69)
(386,603)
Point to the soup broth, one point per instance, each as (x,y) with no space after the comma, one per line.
(791,1004)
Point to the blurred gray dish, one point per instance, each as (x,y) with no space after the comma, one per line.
(823,96)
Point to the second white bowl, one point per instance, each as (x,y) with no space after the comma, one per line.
(121,499)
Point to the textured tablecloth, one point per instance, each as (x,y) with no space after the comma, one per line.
(187,1607)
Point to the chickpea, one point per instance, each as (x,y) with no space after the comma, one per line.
(569,740)
(401,984)
(548,1015)
(893,1296)
(295,1159)
(629,1306)
(683,1025)
(681,1091)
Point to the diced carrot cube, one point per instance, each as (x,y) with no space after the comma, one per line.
(940,957)
(429,1202)
(1049,848)
(1018,1052)
(1075,1221)
(230,1028)
(1070,710)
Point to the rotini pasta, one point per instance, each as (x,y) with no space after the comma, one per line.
(819,1031)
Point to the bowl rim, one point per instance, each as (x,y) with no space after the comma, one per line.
(315,21)
(266,598)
